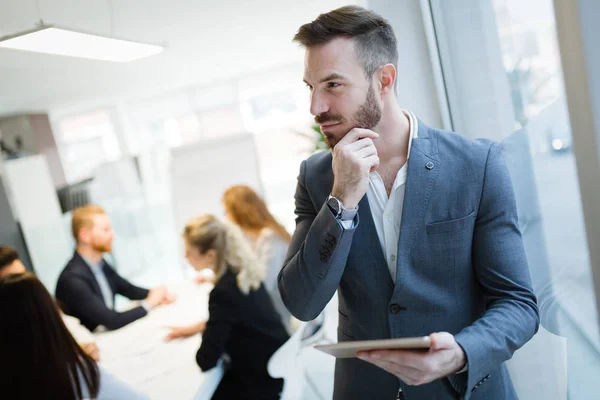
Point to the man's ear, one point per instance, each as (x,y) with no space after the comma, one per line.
(387,79)
(84,235)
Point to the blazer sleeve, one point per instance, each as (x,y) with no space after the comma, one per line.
(223,315)
(511,317)
(316,256)
(75,293)
(125,288)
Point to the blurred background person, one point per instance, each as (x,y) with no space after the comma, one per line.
(11,264)
(40,358)
(87,286)
(242,321)
(268,238)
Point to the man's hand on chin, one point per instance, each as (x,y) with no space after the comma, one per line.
(444,357)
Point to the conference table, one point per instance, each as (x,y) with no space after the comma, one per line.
(138,354)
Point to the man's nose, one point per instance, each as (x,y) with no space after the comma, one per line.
(318,105)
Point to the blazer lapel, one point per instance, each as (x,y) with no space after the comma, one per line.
(84,270)
(423,167)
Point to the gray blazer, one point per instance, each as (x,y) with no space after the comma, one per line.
(461,268)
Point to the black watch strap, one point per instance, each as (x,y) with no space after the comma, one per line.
(339,211)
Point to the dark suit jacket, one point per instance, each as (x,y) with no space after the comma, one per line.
(78,293)
(249,330)
(461,268)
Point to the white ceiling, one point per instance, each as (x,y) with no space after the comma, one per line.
(205,41)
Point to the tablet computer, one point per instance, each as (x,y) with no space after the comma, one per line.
(350,349)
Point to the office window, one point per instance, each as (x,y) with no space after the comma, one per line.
(221,121)
(505,83)
(85,141)
(274,107)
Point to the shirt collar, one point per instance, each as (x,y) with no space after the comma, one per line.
(413,131)
(95,267)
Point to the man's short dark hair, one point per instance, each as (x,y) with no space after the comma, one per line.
(373,36)
(8,255)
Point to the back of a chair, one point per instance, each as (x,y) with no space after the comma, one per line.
(211,381)
(286,363)
(324,327)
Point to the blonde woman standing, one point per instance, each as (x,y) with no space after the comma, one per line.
(242,321)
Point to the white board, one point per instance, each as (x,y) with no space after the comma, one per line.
(201,172)
(36,205)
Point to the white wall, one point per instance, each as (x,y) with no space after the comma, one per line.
(416,82)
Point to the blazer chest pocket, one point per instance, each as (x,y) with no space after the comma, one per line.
(454,225)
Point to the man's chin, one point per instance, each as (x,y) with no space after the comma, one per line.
(332,139)
(103,249)
(330,143)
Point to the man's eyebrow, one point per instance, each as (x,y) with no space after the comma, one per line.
(332,77)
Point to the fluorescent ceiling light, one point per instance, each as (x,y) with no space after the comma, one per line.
(50,40)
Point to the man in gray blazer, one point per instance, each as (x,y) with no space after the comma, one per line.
(415,227)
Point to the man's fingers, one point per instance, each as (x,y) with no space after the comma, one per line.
(366,152)
(359,144)
(356,134)
(441,340)
(372,162)
(421,361)
(400,357)
(407,374)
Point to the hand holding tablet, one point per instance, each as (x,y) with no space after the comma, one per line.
(351,348)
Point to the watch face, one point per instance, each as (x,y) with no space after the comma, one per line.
(335,205)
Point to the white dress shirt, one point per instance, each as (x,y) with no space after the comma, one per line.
(387,212)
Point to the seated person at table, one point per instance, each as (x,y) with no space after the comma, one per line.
(39,357)
(242,320)
(10,264)
(87,286)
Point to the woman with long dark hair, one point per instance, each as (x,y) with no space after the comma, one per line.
(39,357)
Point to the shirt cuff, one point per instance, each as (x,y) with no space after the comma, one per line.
(346,223)
(146,306)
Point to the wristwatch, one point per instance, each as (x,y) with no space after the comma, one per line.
(339,211)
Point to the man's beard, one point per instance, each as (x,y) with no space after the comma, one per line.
(102,247)
(367,116)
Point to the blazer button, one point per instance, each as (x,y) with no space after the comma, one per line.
(429,165)
(395,308)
